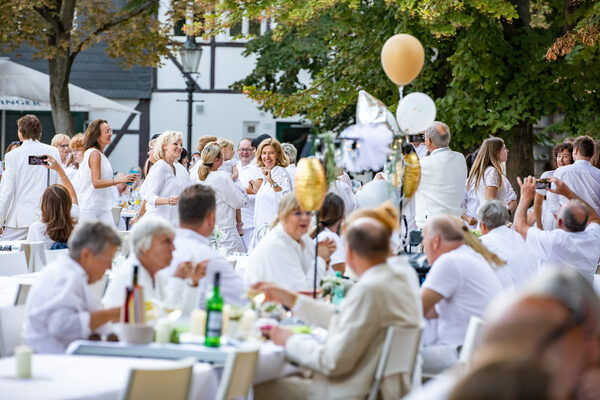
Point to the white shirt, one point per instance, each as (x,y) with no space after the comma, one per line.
(467,282)
(578,250)
(194,180)
(161,182)
(58,307)
(344,190)
(491,179)
(246,173)
(521,264)
(280,259)
(23,185)
(442,187)
(470,203)
(191,246)
(89,197)
(228,197)
(165,288)
(183,177)
(37,233)
(583,179)
(267,200)
(339,255)
(291,169)
(548,219)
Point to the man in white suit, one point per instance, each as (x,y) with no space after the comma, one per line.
(344,366)
(23,184)
(443,177)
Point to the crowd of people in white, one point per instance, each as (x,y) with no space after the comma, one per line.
(248,206)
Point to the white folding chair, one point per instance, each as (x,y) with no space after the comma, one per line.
(52,255)
(238,375)
(160,383)
(474,331)
(11,322)
(398,355)
(35,252)
(13,263)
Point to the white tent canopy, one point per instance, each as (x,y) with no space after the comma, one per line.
(25,89)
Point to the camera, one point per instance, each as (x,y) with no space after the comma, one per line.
(38,160)
(418,138)
(542,184)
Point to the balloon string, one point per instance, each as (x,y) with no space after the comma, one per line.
(400,92)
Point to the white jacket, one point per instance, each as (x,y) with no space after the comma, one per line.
(24,184)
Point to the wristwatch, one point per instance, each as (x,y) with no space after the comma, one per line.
(275,185)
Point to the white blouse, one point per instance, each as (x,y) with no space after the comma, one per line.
(183,177)
(339,255)
(228,196)
(89,197)
(161,182)
(280,259)
(267,199)
(491,178)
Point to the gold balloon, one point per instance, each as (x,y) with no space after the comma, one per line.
(412,174)
(310,184)
(402,58)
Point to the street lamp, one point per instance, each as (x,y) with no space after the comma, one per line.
(190,59)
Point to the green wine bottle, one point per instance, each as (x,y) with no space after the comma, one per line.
(214,315)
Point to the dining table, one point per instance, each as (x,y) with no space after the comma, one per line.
(65,376)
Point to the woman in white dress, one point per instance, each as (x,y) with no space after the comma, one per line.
(331,216)
(286,255)
(162,187)
(270,188)
(486,176)
(562,154)
(96,175)
(228,195)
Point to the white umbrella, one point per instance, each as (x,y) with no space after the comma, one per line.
(23,88)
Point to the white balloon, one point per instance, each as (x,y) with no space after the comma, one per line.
(415,113)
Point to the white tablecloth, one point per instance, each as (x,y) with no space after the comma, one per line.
(86,377)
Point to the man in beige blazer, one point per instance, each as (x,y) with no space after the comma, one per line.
(344,366)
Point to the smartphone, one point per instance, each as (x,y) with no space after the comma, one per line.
(38,160)
(542,184)
(419,138)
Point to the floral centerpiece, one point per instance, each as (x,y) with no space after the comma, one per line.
(216,237)
(335,288)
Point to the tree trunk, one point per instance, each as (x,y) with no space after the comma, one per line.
(520,156)
(59,69)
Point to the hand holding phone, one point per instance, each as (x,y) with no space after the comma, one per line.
(542,184)
(38,160)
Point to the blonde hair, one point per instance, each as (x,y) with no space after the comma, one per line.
(486,157)
(225,143)
(59,138)
(165,138)
(77,142)
(282,159)
(473,242)
(386,213)
(209,154)
(287,205)
(203,141)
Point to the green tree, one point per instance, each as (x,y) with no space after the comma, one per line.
(490,77)
(61,29)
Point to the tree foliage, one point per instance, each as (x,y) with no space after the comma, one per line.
(60,29)
(490,77)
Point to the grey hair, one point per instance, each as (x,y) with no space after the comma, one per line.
(569,287)
(568,214)
(290,151)
(493,213)
(93,235)
(142,233)
(439,134)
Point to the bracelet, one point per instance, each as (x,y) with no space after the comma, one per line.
(61,177)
